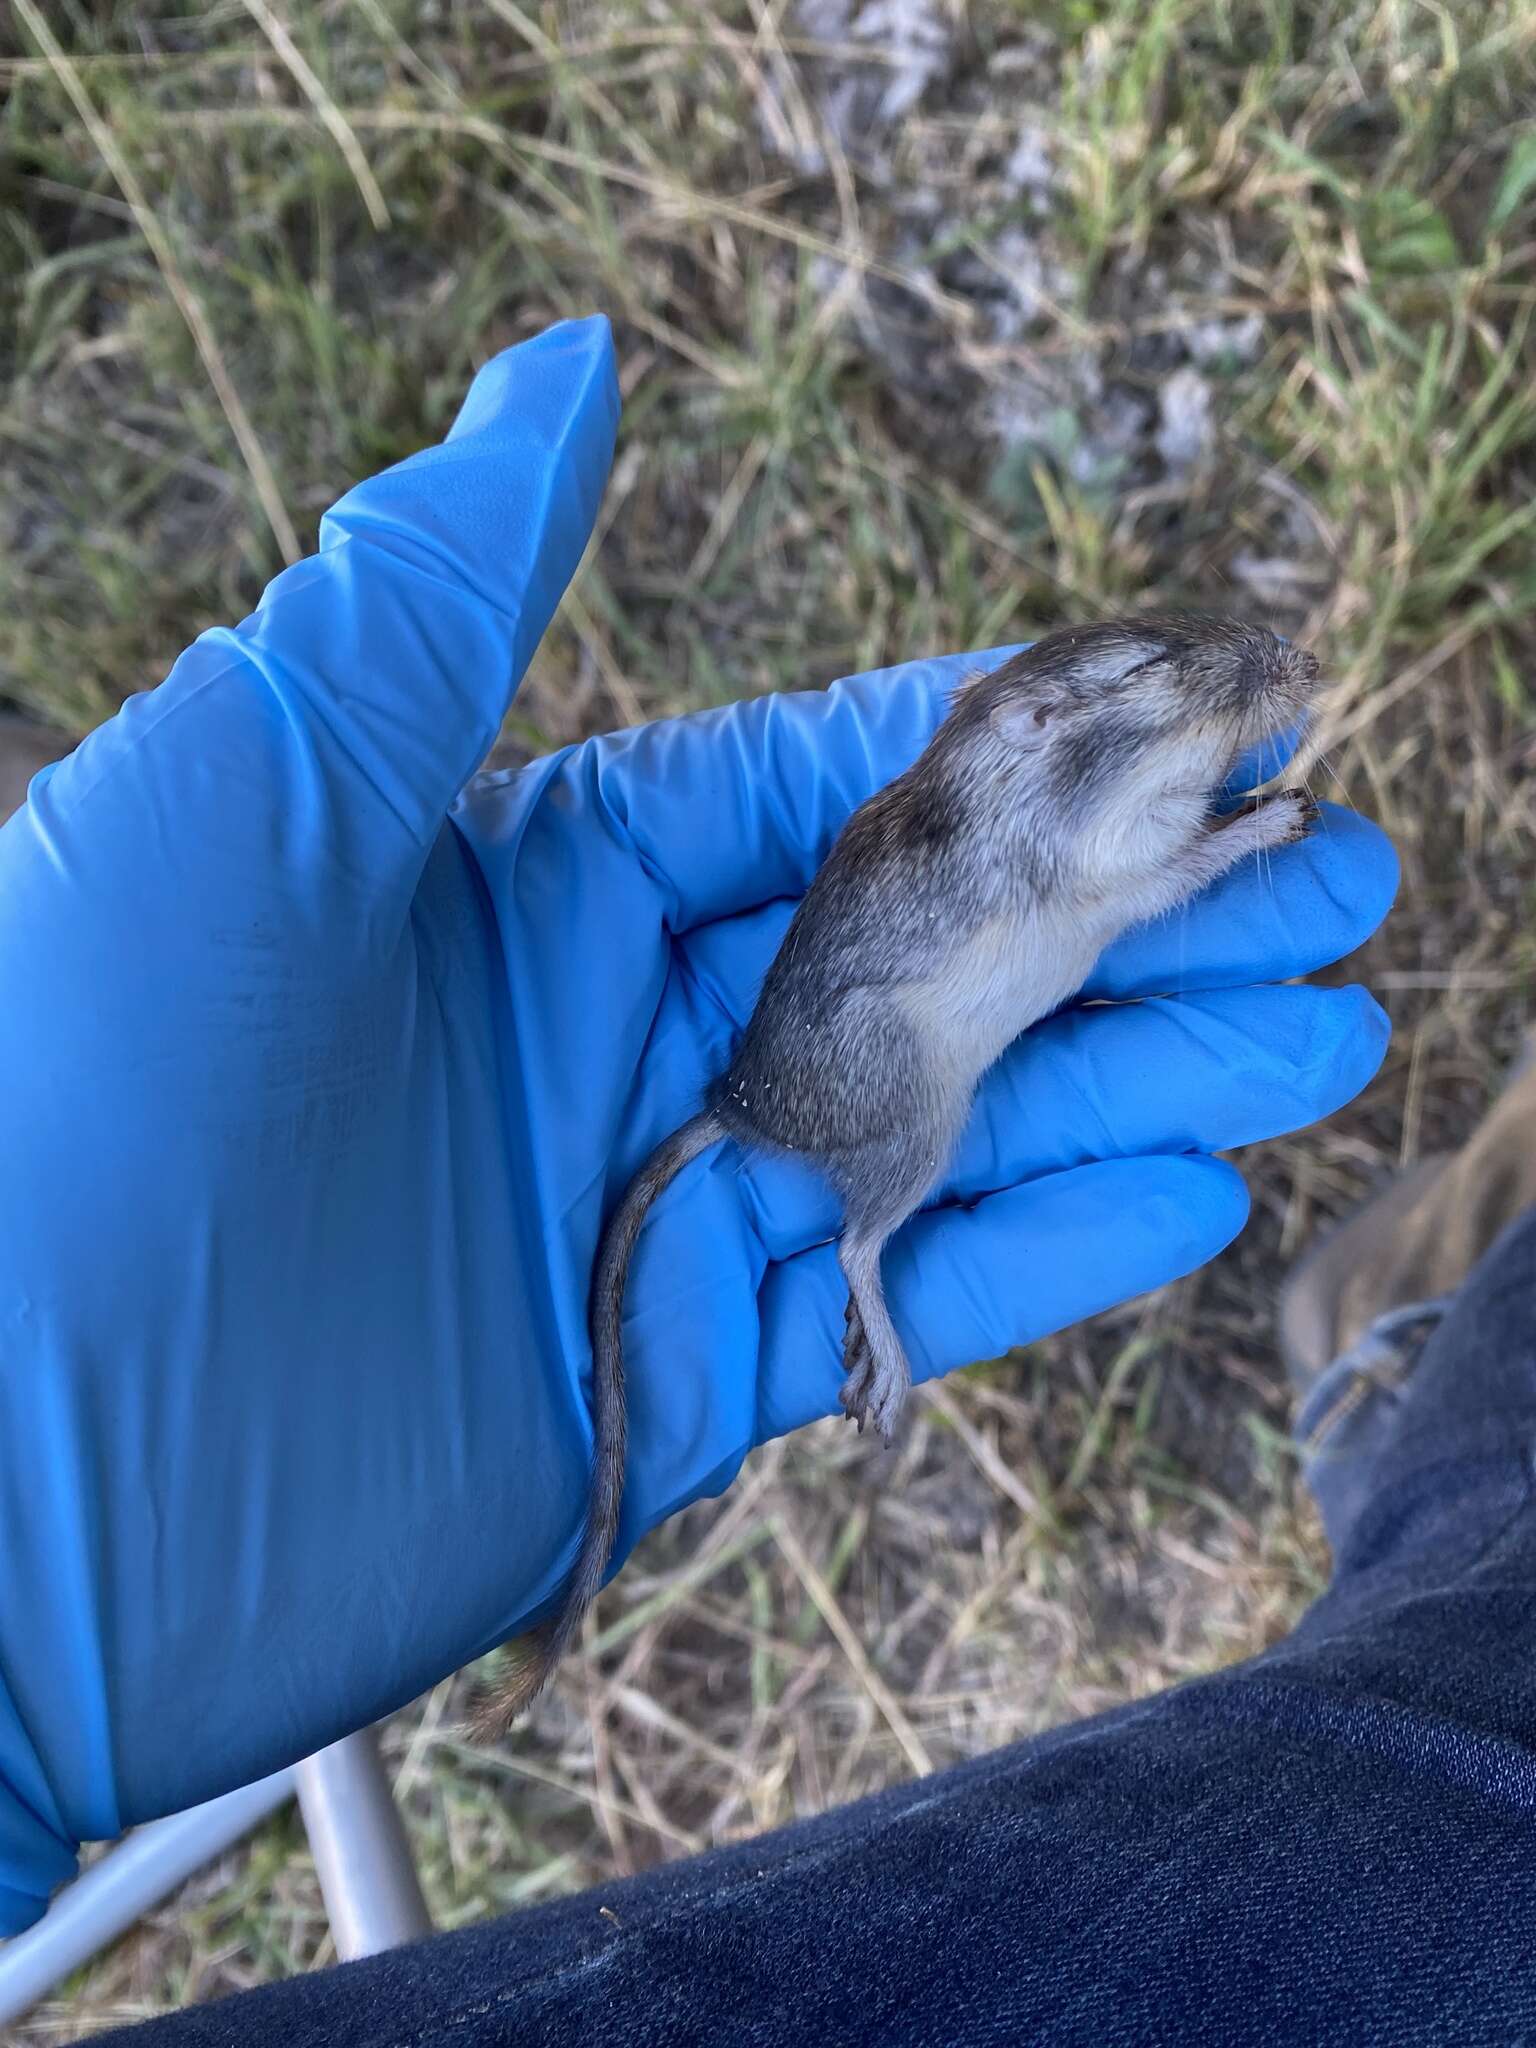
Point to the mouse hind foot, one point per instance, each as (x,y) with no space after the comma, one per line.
(858,1367)
(876,1374)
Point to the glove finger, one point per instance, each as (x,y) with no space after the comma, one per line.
(1177,1074)
(1291,913)
(399,647)
(969,1284)
(1313,904)
(732,808)
(1191,1074)
(305,760)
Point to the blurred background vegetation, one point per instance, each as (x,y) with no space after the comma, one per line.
(938,323)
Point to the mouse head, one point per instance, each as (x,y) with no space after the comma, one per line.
(1104,719)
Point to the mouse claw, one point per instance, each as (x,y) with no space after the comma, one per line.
(1269,823)
(1287,817)
(885,1409)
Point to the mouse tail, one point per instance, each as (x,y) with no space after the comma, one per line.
(534,1656)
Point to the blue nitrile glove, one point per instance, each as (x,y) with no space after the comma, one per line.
(312,1104)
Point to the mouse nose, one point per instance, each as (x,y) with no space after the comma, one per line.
(1289,663)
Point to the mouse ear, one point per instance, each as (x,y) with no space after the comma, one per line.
(1079,667)
(1025,720)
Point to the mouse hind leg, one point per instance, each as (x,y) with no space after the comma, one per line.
(880,1194)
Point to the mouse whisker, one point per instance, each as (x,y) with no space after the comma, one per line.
(1263,857)
(1322,761)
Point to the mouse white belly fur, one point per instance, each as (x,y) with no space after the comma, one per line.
(993,984)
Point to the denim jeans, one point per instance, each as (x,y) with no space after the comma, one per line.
(1333,1843)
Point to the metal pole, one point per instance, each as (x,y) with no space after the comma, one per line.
(106,1900)
(362,1855)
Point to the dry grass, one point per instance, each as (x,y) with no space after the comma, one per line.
(936,326)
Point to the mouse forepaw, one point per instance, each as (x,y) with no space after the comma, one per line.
(1287,816)
(1268,823)
(1306,808)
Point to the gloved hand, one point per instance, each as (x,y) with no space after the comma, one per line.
(317,1083)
